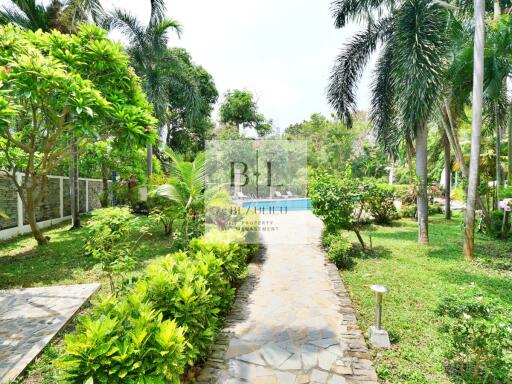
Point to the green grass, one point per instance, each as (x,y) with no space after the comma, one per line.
(418,278)
(62,261)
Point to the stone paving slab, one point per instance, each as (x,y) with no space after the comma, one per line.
(30,318)
(293,320)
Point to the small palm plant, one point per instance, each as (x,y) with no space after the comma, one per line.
(184,190)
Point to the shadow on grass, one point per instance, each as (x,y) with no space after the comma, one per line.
(62,260)
(497,287)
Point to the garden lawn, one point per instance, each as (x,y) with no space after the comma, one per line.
(418,278)
(62,261)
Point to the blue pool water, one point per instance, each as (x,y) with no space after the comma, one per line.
(288,204)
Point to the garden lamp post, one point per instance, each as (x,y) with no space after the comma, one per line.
(378,336)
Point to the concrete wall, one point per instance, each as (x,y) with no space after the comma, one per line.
(54,208)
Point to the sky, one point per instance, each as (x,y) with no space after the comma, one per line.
(281,50)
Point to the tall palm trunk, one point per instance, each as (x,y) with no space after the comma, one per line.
(104,181)
(476,130)
(497,10)
(451,133)
(447,178)
(73,184)
(509,137)
(421,173)
(149,162)
(498,157)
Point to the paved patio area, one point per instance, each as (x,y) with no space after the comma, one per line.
(293,321)
(30,318)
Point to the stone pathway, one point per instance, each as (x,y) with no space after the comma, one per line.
(30,318)
(293,321)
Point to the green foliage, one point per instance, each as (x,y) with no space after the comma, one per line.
(107,240)
(192,290)
(166,321)
(240,108)
(179,203)
(480,336)
(381,199)
(341,252)
(230,249)
(330,142)
(124,342)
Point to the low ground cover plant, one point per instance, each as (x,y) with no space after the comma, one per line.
(479,332)
(165,322)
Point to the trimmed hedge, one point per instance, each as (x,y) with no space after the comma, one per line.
(167,321)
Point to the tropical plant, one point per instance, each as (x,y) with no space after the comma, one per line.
(408,76)
(53,86)
(64,16)
(124,342)
(183,191)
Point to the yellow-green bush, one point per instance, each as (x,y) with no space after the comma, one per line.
(165,322)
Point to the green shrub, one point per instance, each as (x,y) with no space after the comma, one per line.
(339,203)
(380,199)
(127,342)
(435,208)
(496,229)
(341,253)
(107,240)
(229,247)
(479,331)
(166,321)
(408,211)
(192,290)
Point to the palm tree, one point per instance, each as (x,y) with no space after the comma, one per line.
(476,131)
(64,16)
(408,76)
(150,57)
(185,187)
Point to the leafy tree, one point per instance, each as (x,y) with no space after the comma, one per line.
(240,108)
(162,70)
(64,16)
(53,86)
(408,76)
(330,142)
(188,119)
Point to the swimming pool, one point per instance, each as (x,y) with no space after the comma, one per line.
(284,204)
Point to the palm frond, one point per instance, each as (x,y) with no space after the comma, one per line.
(345,10)
(382,112)
(129,25)
(348,69)
(158,10)
(27,14)
(420,55)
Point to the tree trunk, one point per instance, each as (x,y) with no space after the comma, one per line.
(451,132)
(498,162)
(421,173)
(476,130)
(73,185)
(149,162)
(104,181)
(447,178)
(410,155)
(509,154)
(31,217)
(497,10)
